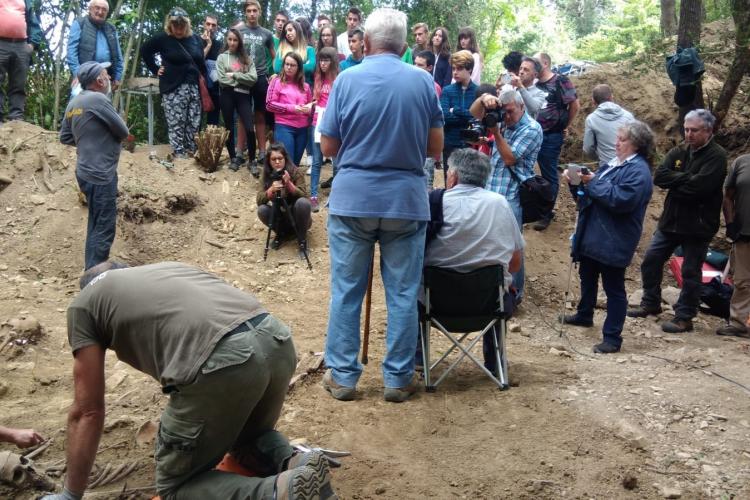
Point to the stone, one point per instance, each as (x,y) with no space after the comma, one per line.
(514,327)
(670,295)
(37,199)
(635,298)
(3,388)
(671,492)
(630,481)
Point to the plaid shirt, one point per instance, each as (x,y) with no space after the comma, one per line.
(524,139)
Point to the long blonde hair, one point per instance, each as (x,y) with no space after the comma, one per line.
(299,46)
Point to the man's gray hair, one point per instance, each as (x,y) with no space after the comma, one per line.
(511,96)
(704,115)
(385,28)
(471,166)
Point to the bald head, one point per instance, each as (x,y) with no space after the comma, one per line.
(602,93)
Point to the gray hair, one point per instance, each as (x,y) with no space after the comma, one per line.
(534,61)
(385,28)
(703,115)
(91,273)
(511,96)
(472,167)
(641,136)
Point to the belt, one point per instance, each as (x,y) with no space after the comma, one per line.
(244,327)
(14,40)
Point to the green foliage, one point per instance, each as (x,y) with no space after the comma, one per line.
(630,31)
(584,16)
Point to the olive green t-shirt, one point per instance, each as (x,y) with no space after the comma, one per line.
(162,319)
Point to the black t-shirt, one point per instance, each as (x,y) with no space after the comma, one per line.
(182,59)
(214,51)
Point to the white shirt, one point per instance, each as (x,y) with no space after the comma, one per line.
(479,229)
(342,43)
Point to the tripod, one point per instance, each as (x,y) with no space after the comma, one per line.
(280,206)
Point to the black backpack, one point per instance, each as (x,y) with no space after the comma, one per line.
(537,197)
(716,297)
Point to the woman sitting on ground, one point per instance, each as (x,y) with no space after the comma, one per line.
(611,203)
(281,176)
(236,78)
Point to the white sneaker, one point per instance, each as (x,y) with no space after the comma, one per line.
(309,170)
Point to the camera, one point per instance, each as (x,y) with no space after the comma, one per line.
(277,175)
(474,131)
(493,117)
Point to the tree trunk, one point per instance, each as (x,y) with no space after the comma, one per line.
(689,35)
(741,15)
(129,49)
(691,17)
(668,18)
(58,70)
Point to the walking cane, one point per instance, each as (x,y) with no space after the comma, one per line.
(368,305)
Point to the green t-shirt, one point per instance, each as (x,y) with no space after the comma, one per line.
(162,319)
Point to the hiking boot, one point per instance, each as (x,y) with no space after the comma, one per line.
(733,331)
(542,224)
(677,326)
(326,184)
(642,311)
(236,163)
(314,204)
(340,392)
(276,243)
(573,319)
(316,460)
(300,483)
(401,394)
(605,348)
(253,167)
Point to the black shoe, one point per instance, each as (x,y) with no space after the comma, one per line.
(733,331)
(254,170)
(677,326)
(573,319)
(642,312)
(327,161)
(542,224)
(326,184)
(235,164)
(605,348)
(276,243)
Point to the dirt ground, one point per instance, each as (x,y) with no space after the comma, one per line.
(658,420)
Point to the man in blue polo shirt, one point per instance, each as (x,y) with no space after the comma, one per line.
(382,119)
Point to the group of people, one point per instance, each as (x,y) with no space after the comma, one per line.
(227,342)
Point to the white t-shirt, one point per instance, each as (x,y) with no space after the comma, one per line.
(342,42)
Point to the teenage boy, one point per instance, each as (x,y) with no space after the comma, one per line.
(356,49)
(353,19)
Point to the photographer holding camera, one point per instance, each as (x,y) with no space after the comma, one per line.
(517,141)
(282,178)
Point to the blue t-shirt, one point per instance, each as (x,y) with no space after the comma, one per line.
(381,110)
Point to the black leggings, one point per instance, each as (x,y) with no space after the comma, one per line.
(231,101)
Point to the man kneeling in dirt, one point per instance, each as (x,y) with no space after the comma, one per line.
(225,363)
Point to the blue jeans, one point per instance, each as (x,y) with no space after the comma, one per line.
(294,140)
(317,164)
(659,250)
(548,158)
(100,233)
(613,281)
(352,242)
(518,277)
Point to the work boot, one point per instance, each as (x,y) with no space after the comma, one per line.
(401,394)
(733,331)
(643,311)
(301,483)
(677,326)
(543,224)
(605,348)
(575,320)
(317,461)
(340,392)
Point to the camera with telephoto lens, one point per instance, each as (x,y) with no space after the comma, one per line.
(479,128)
(493,117)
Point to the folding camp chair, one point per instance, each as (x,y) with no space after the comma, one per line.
(462,303)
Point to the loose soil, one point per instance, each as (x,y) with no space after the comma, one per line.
(656,420)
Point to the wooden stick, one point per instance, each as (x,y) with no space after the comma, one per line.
(368,306)
(30,455)
(215,244)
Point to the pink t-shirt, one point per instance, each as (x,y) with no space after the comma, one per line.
(281,100)
(325,91)
(13,19)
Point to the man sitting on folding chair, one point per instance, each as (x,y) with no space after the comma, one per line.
(478,230)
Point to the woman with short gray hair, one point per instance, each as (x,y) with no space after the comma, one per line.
(611,206)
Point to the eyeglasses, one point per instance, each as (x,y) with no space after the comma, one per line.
(177,13)
(277,160)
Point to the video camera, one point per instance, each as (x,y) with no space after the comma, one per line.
(478,128)
(277,175)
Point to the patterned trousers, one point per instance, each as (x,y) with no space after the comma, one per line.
(182,109)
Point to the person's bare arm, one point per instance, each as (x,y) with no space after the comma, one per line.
(515,262)
(23,438)
(573,111)
(329,146)
(86,416)
(503,148)
(727,205)
(435,141)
